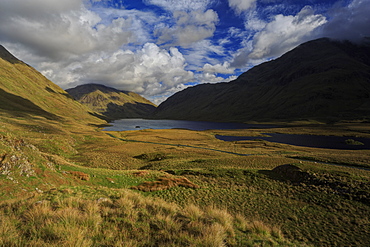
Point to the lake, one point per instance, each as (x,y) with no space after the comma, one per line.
(330,142)
(138,124)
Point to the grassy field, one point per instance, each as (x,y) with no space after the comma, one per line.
(65,182)
(312,209)
(313,202)
(122,218)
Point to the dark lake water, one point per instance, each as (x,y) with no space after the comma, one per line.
(137,124)
(331,142)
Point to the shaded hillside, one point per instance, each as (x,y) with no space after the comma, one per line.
(112,103)
(320,79)
(24,92)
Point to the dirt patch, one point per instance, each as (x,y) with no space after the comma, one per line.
(80,175)
(165,183)
(141,173)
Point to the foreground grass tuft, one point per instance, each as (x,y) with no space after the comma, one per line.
(127,219)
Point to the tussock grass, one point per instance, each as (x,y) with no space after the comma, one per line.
(126,218)
(334,212)
(164,183)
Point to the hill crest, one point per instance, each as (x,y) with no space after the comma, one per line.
(26,92)
(320,79)
(111,102)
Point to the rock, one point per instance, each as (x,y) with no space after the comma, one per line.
(103,199)
(38,190)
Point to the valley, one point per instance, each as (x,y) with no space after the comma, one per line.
(65,181)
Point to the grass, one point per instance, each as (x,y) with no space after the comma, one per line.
(64,182)
(125,218)
(225,187)
(309,213)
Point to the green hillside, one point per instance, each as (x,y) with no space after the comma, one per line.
(321,79)
(112,103)
(27,93)
(66,183)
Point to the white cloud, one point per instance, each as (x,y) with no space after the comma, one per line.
(286,32)
(209,73)
(189,28)
(200,53)
(72,45)
(212,78)
(253,22)
(350,22)
(279,36)
(241,5)
(150,71)
(218,68)
(183,5)
(80,41)
(62,32)
(37,8)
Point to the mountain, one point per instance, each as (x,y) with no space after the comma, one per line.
(112,103)
(321,79)
(26,93)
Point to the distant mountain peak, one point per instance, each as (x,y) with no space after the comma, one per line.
(81,90)
(111,102)
(320,79)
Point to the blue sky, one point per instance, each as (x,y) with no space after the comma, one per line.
(158,47)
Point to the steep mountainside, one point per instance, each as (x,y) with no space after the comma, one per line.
(24,92)
(112,103)
(320,79)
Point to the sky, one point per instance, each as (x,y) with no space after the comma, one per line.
(159,47)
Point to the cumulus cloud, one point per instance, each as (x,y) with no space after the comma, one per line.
(189,28)
(210,73)
(183,5)
(83,41)
(29,9)
(218,68)
(63,31)
(286,32)
(281,35)
(150,71)
(242,5)
(350,22)
(72,45)
(213,78)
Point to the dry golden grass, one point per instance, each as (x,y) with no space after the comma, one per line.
(127,219)
(165,183)
(238,182)
(80,175)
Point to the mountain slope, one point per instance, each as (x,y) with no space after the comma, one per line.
(26,92)
(112,103)
(320,79)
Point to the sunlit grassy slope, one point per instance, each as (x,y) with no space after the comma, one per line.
(112,103)
(65,182)
(60,188)
(26,93)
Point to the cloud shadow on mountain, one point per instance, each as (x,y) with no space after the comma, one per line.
(19,106)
